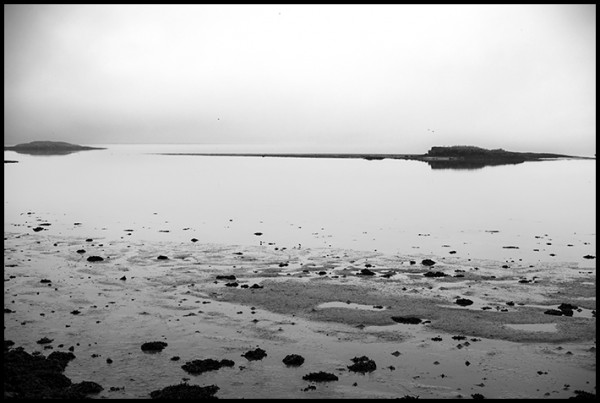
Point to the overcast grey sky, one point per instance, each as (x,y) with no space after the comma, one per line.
(398,78)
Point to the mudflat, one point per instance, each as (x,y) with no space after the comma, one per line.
(232,321)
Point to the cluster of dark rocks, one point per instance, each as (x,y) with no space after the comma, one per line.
(362,364)
(563,309)
(33,376)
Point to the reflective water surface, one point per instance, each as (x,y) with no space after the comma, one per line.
(535,211)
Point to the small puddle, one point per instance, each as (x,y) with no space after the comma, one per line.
(350,305)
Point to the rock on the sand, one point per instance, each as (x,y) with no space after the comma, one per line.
(293,360)
(154,346)
(463,301)
(257,354)
(362,364)
(320,377)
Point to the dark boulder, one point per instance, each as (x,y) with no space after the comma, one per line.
(162,257)
(427,262)
(366,272)
(257,354)
(567,307)
(154,346)
(226,277)
(196,367)
(94,259)
(435,274)
(320,377)
(362,364)
(293,360)
(463,302)
(409,320)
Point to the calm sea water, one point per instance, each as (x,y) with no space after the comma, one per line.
(391,206)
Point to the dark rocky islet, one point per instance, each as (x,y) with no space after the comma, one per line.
(49,148)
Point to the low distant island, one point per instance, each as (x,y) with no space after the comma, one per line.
(49,148)
(438,157)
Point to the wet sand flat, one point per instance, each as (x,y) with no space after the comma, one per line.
(326,305)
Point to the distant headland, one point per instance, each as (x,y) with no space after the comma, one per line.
(49,148)
(438,157)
